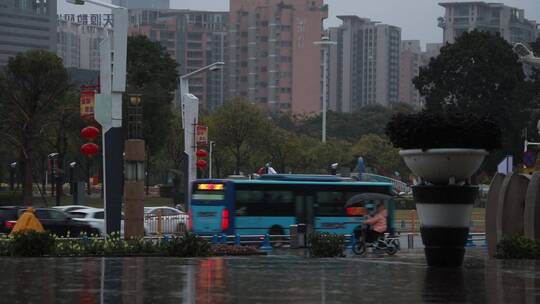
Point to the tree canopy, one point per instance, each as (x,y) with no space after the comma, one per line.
(249,137)
(480,73)
(32,87)
(153,73)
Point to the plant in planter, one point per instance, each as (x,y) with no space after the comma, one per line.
(444,150)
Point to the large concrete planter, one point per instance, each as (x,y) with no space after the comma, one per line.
(444,206)
(443,166)
(445,215)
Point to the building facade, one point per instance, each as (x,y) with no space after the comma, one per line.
(272,57)
(364,65)
(509,22)
(410,63)
(26,25)
(195,39)
(78,44)
(156,4)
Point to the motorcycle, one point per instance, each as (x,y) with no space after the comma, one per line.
(388,244)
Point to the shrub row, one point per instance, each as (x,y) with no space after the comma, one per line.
(36,244)
(518,247)
(326,245)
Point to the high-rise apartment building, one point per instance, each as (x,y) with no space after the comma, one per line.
(78,44)
(510,22)
(156,4)
(432,50)
(26,25)
(195,39)
(272,59)
(364,67)
(410,62)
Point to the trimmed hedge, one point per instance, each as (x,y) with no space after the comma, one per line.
(326,245)
(518,247)
(427,130)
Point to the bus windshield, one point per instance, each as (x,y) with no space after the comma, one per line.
(209,192)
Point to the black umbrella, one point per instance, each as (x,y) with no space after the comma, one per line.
(360,199)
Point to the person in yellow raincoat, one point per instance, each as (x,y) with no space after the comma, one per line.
(28,221)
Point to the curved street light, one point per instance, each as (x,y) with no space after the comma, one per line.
(190,118)
(526,55)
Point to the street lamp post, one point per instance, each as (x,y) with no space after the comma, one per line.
(190,118)
(108,111)
(527,56)
(210,160)
(12,175)
(325,43)
(56,172)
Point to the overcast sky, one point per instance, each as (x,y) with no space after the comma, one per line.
(417,18)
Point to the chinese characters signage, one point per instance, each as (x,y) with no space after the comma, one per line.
(103,20)
(201,136)
(87,102)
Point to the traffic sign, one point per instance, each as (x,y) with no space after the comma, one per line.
(529,158)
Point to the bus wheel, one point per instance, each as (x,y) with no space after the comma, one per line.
(278,241)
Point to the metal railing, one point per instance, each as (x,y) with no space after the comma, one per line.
(399,186)
(165,224)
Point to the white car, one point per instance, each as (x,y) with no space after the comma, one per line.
(95,217)
(70,208)
(172,220)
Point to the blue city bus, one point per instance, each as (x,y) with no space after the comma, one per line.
(272,203)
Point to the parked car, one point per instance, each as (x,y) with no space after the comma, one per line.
(95,217)
(57,222)
(172,220)
(8,217)
(70,208)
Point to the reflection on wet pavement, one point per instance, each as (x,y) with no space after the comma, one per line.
(281,278)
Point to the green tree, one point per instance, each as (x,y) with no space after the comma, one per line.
(344,126)
(240,128)
(379,154)
(31,89)
(284,150)
(480,73)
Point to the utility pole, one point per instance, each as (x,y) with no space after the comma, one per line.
(108,110)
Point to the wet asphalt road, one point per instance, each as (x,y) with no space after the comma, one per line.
(282,277)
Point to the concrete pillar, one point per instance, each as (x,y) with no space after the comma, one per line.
(445,215)
(532,209)
(134,188)
(492,205)
(510,211)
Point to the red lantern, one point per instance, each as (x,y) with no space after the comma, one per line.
(90,149)
(90,133)
(201,164)
(201,153)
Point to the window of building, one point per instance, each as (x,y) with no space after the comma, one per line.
(462,10)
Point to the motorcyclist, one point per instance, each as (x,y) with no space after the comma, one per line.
(377,224)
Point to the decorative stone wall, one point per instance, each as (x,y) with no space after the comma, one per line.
(512,208)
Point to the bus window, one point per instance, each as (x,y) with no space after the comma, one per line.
(330,203)
(264,203)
